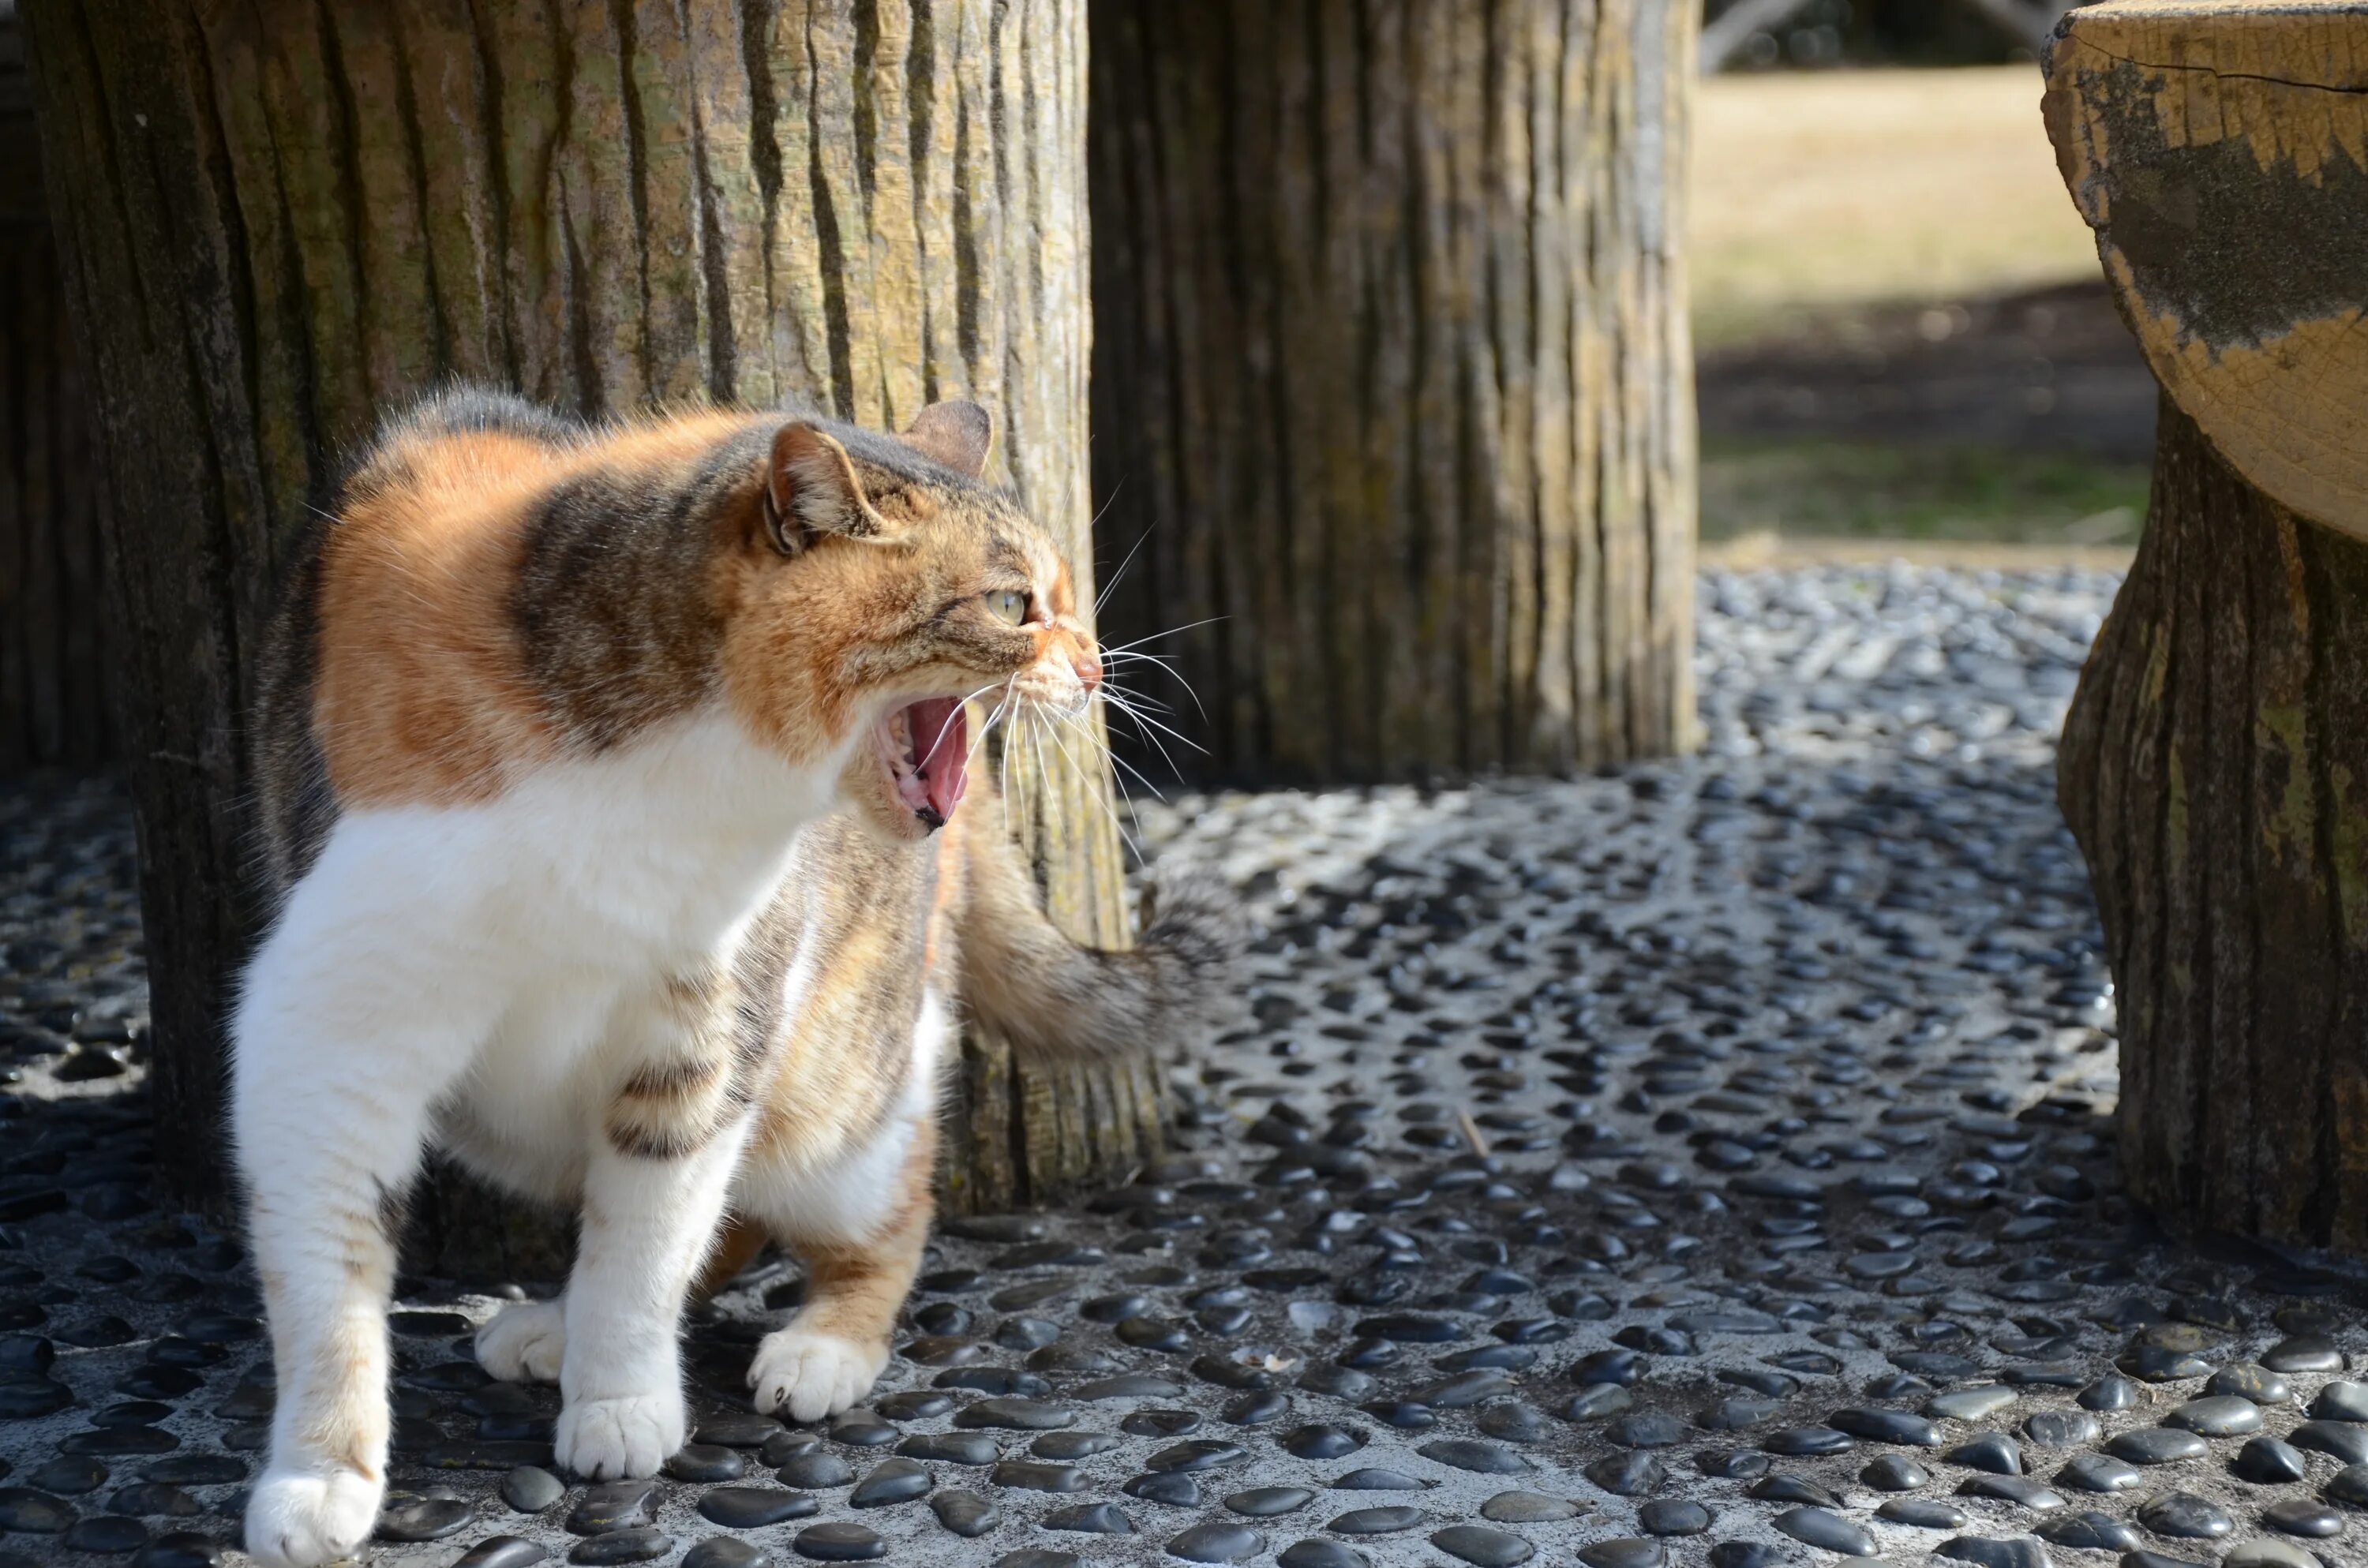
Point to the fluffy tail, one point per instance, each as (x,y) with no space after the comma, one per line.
(1024,978)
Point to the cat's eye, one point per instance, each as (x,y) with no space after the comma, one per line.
(1008,605)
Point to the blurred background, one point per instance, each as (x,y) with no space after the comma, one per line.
(1902,332)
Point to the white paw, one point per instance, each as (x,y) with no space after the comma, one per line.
(524,1343)
(809,1376)
(296,1520)
(609,1439)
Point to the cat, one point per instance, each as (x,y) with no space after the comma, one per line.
(608,806)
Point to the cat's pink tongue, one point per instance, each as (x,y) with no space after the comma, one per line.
(941,750)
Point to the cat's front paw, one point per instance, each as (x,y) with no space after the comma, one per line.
(609,1439)
(295,1519)
(808,1376)
(524,1342)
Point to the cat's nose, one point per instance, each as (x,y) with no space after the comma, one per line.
(1089,665)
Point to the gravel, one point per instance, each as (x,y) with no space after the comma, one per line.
(1707,1160)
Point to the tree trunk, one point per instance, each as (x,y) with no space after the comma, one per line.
(2214,770)
(280,218)
(53,708)
(1392,382)
(2215,760)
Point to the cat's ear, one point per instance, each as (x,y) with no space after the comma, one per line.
(953,435)
(811,489)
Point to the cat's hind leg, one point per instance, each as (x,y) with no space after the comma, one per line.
(338,1049)
(860,1228)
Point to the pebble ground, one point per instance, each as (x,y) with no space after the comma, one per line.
(1707,1163)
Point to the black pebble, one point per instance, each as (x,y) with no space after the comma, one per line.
(2182,1516)
(614,1505)
(951,1448)
(839,1544)
(2089,1531)
(1314,1553)
(530,1489)
(726,1552)
(638,1544)
(2267,1461)
(69,1475)
(892,1481)
(407,1516)
(182,1549)
(1216,1542)
(815,1470)
(1894,1473)
(752,1507)
(1922,1513)
(1089,1518)
(706,1462)
(1671,1516)
(1484,1548)
(2302,1516)
(965,1513)
(107,1536)
(1826,1530)
(1173,1488)
(2157,1444)
(2097,1473)
(501,1552)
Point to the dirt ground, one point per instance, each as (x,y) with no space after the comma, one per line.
(1902,330)
(2049,370)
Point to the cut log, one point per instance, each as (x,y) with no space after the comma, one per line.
(2219,149)
(281,217)
(1392,389)
(2214,765)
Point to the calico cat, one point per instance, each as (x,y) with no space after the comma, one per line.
(609,789)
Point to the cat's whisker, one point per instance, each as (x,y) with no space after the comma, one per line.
(1135,549)
(1164,755)
(1114,759)
(1123,706)
(1123,655)
(1171,631)
(1107,809)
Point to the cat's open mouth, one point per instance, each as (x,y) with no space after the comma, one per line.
(926,746)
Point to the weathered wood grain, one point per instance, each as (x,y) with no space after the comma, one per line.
(1393,387)
(2214,765)
(53,709)
(278,216)
(2220,151)
(2214,770)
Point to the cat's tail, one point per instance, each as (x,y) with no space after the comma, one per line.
(1026,981)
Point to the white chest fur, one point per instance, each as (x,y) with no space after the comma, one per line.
(510,950)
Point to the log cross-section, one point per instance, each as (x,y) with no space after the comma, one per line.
(2219,150)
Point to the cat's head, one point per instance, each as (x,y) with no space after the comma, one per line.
(877,585)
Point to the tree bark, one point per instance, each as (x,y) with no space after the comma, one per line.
(1392,384)
(53,709)
(2215,769)
(280,218)
(2214,765)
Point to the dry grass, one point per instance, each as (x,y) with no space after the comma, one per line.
(1829,189)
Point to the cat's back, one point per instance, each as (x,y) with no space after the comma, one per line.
(397,671)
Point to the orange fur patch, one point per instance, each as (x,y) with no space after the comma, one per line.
(421,696)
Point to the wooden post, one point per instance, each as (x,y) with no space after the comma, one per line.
(2214,765)
(1391,381)
(281,217)
(53,709)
